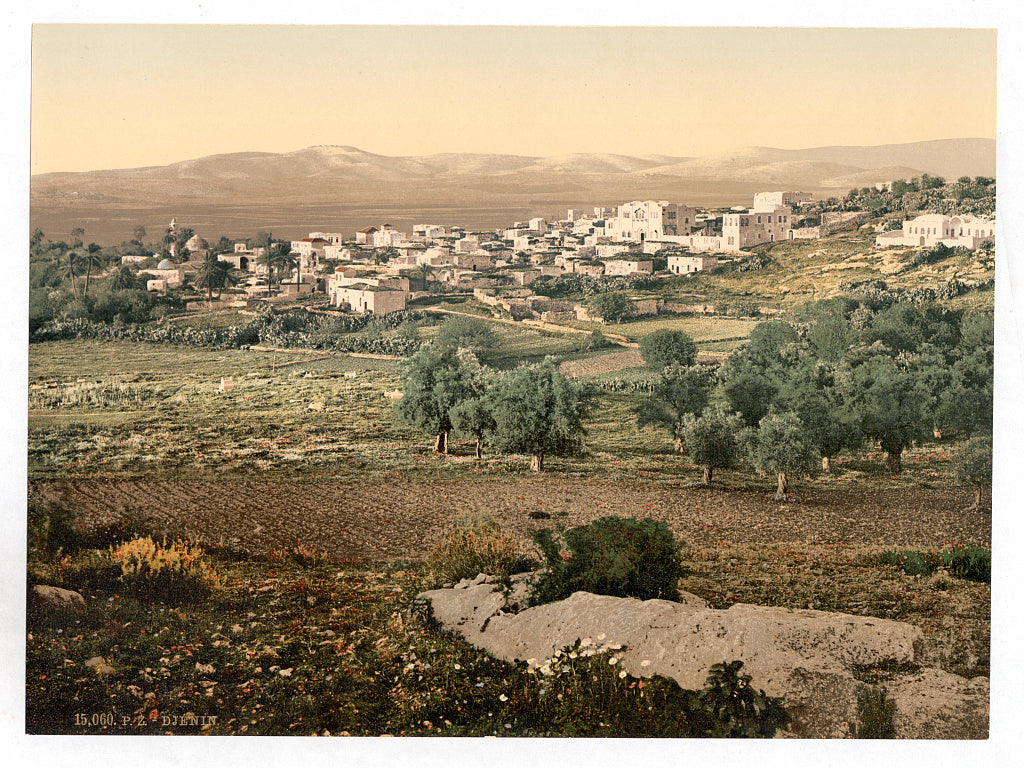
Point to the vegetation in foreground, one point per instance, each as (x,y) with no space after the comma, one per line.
(295,643)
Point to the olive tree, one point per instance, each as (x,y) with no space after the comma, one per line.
(780,446)
(711,440)
(972,465)
(434,381)
(536,410)
(667,347)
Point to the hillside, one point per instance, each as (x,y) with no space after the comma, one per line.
(345,188)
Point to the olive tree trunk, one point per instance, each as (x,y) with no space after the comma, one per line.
(441,443)
(783,488)
(708,472)
(479,448)
(826,464)
(894,462)
(537,462)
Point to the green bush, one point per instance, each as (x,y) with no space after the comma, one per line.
(963,561)
(50,530)
(622,557)
(969,562)
(729,708)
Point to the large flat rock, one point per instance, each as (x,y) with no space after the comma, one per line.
(806,657)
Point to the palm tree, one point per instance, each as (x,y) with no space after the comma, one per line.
(72,266)
(288,264)
(123,279)
(273,258)
(91,258)
(213,273)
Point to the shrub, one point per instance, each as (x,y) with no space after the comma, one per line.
(729,707)
(968,562)
(876,714)
(476,546)
(50,530)
(963,561)
(175,571)
(622,557)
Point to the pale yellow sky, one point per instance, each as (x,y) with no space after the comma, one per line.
(115,96)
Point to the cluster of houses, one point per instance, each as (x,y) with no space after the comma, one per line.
(383,267)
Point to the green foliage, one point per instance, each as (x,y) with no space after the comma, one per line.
(780,446)
(537,411)
(667,347)
(678,392)
(50,530)
(972,462)
(622,557)
(748,393)
(462,331)
(711,440)
(476,546)
(610,307)
(434,382)
(968,561)
(876,714)
(729,707)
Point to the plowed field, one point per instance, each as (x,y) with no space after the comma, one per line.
(402,520)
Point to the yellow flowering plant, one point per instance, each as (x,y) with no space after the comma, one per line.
(177,569)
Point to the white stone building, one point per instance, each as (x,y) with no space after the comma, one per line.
(628,267)
(684,265)
(642,220)
(931,229)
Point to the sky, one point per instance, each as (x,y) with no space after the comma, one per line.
(130,95)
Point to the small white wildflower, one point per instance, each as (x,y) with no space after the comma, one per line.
(545,670)
(457,666)
(503,697)
(622,673)
(613,660)
(572,655)
(532,662)
(601,636)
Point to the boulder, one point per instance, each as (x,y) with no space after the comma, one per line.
(938,705)
(807,657)
(54,603)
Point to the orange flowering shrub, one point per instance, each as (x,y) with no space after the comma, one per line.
(177,570)
(476,546)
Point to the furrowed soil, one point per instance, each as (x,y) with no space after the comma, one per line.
(402,520)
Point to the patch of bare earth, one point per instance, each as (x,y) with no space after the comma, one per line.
(403,520)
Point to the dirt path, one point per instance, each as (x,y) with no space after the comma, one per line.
(404,519)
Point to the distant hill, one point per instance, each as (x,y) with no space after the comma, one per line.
(498,187)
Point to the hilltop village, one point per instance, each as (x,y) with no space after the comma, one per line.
(380,269)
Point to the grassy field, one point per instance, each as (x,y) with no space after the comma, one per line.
(123,410)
